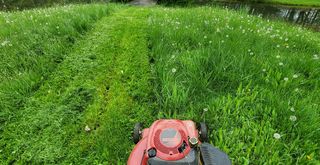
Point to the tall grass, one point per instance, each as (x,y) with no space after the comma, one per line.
(254,82)
(249,79)
(32,44)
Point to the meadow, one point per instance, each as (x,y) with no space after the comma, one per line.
(75,79)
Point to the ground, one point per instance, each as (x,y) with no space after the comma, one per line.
(72,88)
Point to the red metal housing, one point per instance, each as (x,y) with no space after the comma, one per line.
(167,137)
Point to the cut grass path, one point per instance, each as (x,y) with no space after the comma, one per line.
(104,83)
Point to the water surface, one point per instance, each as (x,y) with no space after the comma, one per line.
(307,17)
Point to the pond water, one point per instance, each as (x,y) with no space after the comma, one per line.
(307,17)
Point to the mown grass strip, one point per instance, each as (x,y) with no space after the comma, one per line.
(104,85)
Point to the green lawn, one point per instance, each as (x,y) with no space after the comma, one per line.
(105,67)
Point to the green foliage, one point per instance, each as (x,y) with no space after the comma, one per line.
(25,4)
(33,43)
(241,75)
(71,95)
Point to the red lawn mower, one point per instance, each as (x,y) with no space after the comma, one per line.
(174,142)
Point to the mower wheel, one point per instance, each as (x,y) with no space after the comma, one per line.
(137,130)
(203,132)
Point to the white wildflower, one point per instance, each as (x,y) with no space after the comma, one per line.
(87,128)
(276,136)
(315,57)
(205,37)
(292,109)
(280,63)
(293,118)
(174,70)
(286,79)
(278,46)
(295,76)
(205,109)
(264,70)
(277,56)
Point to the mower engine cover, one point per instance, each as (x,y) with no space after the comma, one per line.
(172,142)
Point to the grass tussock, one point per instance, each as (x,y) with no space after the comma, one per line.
(254,82)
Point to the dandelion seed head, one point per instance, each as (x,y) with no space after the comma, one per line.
(276,135)
(293,118)
(173,70)
(292,109)
(87,128)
